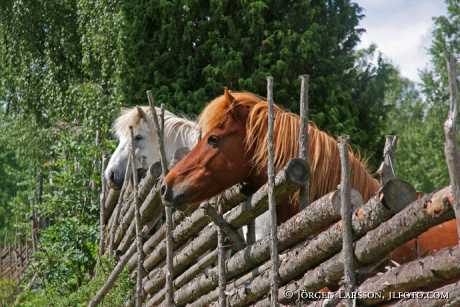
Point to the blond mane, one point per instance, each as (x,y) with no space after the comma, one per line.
(323,152)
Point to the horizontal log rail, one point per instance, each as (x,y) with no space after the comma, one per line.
(320,214)
(435,298)
(429,271)
(418,217)
(190,226)
(312,252)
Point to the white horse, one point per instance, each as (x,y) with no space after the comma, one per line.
(179,133)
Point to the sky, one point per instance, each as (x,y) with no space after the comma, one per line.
(402,31)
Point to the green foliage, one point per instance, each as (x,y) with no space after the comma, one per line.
(418,119)
(7,291)
(67,253)
(189,50)
(118,295)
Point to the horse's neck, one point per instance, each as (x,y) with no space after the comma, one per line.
(179,133)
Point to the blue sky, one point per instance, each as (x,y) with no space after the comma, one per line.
(402,30)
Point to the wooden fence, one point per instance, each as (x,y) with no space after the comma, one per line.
(182,262)
(13,261)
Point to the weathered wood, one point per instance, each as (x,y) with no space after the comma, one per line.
(429,271)
(426,272)
(303,137)
(286,182)
(312,219)
(152,177)
(145,186)
(110,203)
(210,297)
(217,219)
(112,277)
(115,218)
(274,279)
(188,228)
(386,169)
(102,198)
(346,213)
(450,130)
(155,239)
(181,280)
(311,253)
(221,251)
(137,220)
(419,216)
(151,209)
(159,125)
(251,232)
(398,193)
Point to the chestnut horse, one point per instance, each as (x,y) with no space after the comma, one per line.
(234,148)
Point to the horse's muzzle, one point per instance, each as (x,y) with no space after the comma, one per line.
(115,180)
(171,198)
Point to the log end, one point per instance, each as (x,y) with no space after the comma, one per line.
(297,171)
(155,169)
(397,194)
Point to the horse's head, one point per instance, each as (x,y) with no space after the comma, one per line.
(218,161)
(145,143)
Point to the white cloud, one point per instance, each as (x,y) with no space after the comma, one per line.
(402,30)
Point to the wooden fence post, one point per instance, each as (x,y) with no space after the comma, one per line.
(112,277)
(450,146)
(102,199)
(221,259)
(346,213)
(271,197)
(386,169)
(168,211)
(137,217)
(303,137)
(117,209)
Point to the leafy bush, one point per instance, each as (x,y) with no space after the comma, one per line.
(7,291)
(53,295)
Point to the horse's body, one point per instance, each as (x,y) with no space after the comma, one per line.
(179,133)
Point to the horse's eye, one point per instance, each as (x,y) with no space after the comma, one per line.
(138,137)
(213,140)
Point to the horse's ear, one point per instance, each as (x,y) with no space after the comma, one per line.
(228,95)
(141,112)
(239,111)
